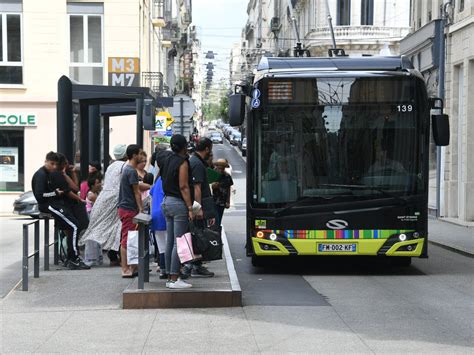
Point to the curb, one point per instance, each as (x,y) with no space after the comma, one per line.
(453,249)
(234,280)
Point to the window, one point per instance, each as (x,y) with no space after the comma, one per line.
(12,174)
(461,6)
(343,12)
(86,42)
(11,58)
(367,13)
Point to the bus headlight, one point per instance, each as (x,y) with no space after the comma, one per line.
(273,236)
(260,234)
(402,237)
(416,235)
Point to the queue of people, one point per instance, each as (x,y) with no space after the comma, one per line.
(100,216)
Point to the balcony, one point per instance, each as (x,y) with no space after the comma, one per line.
(153,80)
(358,33)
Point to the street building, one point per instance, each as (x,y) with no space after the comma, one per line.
(445,29)
(118,43)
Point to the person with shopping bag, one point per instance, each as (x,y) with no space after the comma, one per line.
(129,205)
(177,204)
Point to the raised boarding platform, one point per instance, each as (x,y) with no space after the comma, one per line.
(222,290)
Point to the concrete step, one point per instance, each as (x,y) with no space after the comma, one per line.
(222,290)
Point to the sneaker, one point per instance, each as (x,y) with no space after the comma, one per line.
(163,276)
(179,284)
(77,264)
(201,271)
(185,272)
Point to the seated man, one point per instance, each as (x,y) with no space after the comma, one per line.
(50,191)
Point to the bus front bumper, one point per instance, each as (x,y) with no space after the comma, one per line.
(366,247)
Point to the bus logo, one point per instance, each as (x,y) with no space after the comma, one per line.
(337,224)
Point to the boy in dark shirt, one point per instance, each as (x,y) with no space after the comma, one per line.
(49,190)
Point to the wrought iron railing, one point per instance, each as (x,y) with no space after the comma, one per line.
(153,80)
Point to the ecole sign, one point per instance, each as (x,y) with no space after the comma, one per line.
(17,119)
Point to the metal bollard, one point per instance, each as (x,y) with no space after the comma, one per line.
(25,259)
(56,245)
(46,244)
(36,257)
(26,256)
(143,220)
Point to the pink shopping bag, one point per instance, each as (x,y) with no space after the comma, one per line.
(184,245)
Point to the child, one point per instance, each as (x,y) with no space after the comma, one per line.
(93,250)
(95,185)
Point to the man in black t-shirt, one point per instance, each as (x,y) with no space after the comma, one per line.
(202,195)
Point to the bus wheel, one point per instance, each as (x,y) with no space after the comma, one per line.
(401,261)
(257,261)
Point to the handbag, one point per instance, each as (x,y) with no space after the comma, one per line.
(184,245)
(206,241)
(132,248)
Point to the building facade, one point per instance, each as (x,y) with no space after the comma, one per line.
(451,167)
(119,42)
(360,27)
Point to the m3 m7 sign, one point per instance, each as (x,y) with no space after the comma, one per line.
(124,71)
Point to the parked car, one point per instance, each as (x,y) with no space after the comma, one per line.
(243,146)
(26,205)
(235,138)
(216,137)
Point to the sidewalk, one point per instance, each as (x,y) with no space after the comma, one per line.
(451,236)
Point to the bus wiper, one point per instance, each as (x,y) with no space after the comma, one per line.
(279,212)
(369,187)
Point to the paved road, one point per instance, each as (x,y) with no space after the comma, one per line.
(359,306)
(313,307)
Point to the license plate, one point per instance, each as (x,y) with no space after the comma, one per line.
(348,248)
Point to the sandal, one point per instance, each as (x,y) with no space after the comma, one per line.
(127,276)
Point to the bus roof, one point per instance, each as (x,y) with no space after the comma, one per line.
(376,63)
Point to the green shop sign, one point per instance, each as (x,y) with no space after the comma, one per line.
(17,119)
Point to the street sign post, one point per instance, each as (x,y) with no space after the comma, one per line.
(182,109)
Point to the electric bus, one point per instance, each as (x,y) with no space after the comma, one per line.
(337,157)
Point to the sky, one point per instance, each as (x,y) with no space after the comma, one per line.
(219,24)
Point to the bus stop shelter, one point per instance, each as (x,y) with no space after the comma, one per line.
(91,104)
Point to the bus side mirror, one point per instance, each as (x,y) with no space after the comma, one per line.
(440,125)
(236,109)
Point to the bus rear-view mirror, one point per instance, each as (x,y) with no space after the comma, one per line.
(236,109)
(440,124)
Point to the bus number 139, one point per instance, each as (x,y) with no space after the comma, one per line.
(405,108)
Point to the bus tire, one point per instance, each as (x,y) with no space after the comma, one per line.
(403,261)
(257,261)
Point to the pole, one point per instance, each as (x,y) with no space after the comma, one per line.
(46,243)
(24,280)
(36,257)
(181,114)
(441,75)
(64,119)
(139,106)
(333,38)
(106,141)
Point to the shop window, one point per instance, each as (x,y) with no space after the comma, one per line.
(367,13)
(343,12)
(86,42)
(11,58)
(12,166)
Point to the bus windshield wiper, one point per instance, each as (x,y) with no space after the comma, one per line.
(369,187)
(299,202)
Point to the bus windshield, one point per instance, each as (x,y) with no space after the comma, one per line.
(339,139)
